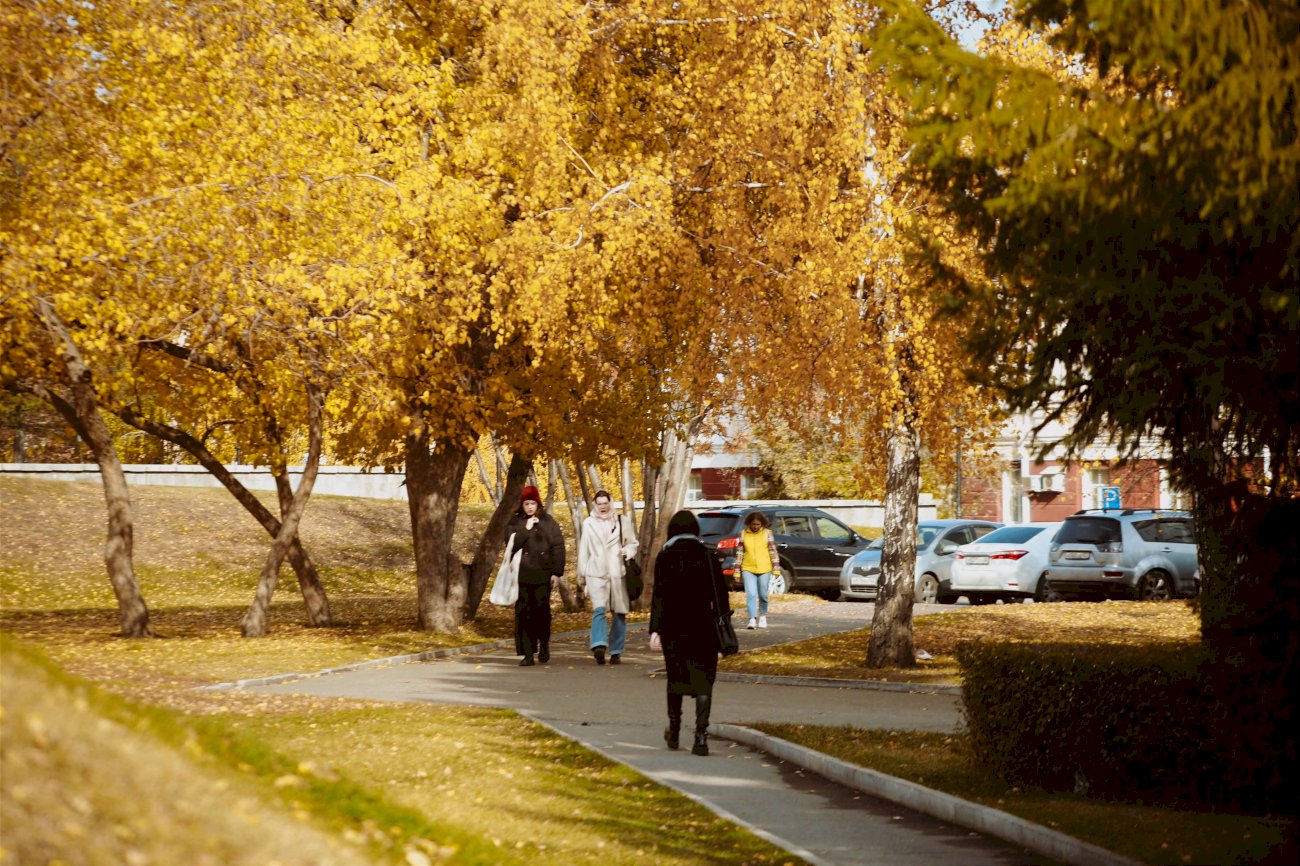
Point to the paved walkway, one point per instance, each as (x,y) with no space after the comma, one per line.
(620,712)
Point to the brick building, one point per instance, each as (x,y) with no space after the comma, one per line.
(1028,489)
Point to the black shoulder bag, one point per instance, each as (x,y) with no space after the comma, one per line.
(728,643)
(631,570)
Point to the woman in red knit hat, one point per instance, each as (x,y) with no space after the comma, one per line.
(538,537)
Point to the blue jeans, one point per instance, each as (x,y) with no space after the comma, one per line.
(617,634)
(756,592)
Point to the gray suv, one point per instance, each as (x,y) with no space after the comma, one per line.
(1136,553)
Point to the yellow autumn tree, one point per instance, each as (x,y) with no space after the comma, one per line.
(186,204)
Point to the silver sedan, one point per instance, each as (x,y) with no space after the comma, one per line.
(936,543)
(1008,564)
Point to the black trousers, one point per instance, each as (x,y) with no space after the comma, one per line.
(532,617)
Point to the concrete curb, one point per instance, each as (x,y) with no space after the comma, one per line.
(831,683)
(946,807)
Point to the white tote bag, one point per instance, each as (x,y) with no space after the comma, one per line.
(505,591)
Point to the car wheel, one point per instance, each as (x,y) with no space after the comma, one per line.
(1155,586)
(1044,592)
(780,582)
(927,591)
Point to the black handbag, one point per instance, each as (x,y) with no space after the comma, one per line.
(728,643)
(631,571)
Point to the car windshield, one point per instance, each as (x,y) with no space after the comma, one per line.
(718,524)
(1011,535)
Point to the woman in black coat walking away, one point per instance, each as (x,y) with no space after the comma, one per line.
(539,538)
(688,589)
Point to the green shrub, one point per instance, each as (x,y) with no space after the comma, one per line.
(1159,723)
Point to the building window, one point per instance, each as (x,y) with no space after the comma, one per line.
(694,487)
(1170,496)
(1096,481)
(748,487)
(1015,487)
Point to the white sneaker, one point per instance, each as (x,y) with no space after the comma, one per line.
(751,623)
(762,622)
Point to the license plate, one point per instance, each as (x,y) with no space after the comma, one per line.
(977,560)
(1076,554)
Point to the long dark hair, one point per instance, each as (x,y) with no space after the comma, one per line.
(683,523)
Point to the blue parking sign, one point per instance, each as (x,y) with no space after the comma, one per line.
(1110,497)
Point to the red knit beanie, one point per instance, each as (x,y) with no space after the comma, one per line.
(530,492)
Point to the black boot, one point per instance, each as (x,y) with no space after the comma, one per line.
(672,733)
(703,703)
(599,653)
(528,661)
(544,654)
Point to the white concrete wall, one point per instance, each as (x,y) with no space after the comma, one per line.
(378,484)
(331,480)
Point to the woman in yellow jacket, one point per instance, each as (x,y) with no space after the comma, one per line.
(757,559)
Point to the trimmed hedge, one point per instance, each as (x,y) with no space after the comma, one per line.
(1160,723)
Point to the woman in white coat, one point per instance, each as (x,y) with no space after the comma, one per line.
(607,539)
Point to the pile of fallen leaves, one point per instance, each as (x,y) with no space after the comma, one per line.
(936,637)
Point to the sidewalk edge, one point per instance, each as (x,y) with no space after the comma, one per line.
(963,813)
(766,835)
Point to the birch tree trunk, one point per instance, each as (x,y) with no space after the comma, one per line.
(629,510)
(677,453)
(890,644)
(575,516)
(292,505)
(82,413)
(550,484)
(492,495)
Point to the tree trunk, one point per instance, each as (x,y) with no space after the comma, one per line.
(649,510)
(83,414)
(1249,558)
(487,481)
(315,600)
(890,644)
(492,544)
(434,473)
(629,510)
(550,485)
(677,453)
(583,482)
(575,517)
(292,505)
(499,460)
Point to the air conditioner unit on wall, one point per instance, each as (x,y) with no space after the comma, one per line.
(1048,482)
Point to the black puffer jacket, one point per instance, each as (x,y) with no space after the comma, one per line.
(542,546)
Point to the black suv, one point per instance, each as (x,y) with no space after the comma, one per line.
(812,545)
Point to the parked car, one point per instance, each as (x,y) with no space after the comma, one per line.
(936,542)
(812,544)
(1135,553)
(1008,564)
